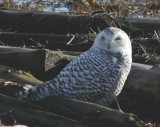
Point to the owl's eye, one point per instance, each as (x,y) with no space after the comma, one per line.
(118,38)
(103,38)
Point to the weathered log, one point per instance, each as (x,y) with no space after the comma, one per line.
(146,25)
(36,61)
(26,21)
(139,96)
(43,64)
(143,76)
(90,114)
(23,58)
(49,41)
(31,114)
(18,76)
(40,22)
(37,40)
(85,113)
(141,93)
(141,88)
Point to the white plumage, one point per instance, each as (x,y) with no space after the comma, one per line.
(97,75)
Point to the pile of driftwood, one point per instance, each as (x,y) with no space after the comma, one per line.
(140,95)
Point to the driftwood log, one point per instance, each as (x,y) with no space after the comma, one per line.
(41,22)
(49,41)
(19,76)
(90,114)
(38,40)
(22,58)
(55,31)
(31,114)
(42,62)
(85,113)
(140,94)
(24,21)
(36,61)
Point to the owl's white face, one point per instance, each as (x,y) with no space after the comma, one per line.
(113,40)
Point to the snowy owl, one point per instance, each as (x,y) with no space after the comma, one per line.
(97,75)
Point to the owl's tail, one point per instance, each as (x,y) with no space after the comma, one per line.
(35,93)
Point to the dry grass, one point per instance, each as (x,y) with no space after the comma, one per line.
(25,5)
(145,8)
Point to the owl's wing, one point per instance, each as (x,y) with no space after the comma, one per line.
(87,77)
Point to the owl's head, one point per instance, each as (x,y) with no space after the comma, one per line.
(113,40)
